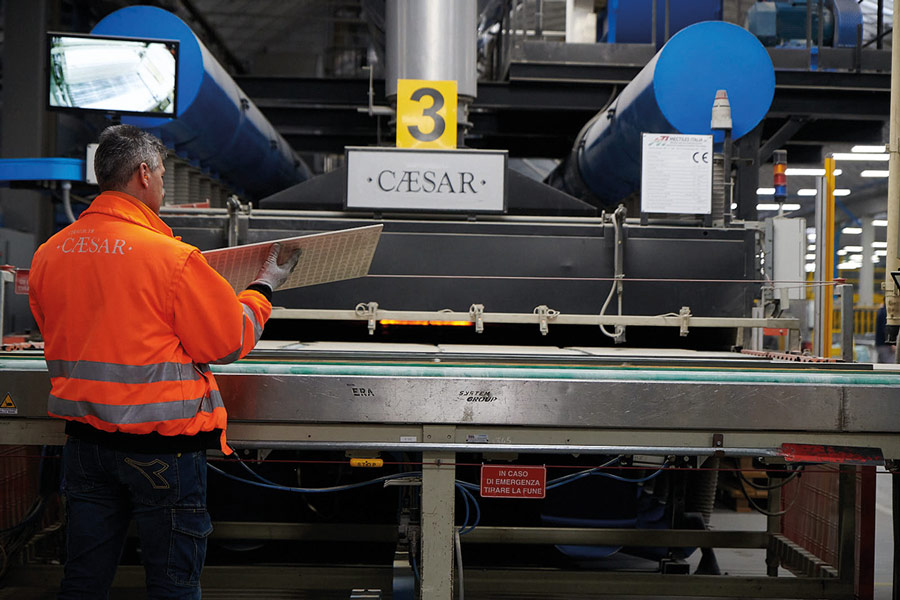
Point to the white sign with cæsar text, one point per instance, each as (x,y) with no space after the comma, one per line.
(399,179)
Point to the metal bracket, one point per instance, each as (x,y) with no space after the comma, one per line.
(719,443)
(476,313)
(685,315)
(237,220)
(545,314)
(368,311)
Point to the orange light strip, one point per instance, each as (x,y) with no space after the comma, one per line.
(436,323)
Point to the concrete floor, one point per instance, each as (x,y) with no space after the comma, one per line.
(731,561)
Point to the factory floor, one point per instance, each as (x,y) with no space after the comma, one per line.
(734,562)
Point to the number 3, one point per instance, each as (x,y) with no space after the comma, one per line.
(437,103)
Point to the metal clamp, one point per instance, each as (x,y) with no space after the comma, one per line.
(237,220)
(368,311)
(685,315)
(476,313)
(545,314)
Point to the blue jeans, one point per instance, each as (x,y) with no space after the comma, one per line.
(166,496)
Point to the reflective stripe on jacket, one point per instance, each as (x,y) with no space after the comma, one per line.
(131,317)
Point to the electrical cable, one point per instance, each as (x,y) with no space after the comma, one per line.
(464,487)
(336,488)
(614,477)
(470,498)
(763,511)
(414,565)
(617,283)
(462,492)
(782,483)
(559,480)
(459,565)
(252,472)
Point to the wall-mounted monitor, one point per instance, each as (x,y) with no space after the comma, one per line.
(113,75)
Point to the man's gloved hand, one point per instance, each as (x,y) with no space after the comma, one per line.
(272,274)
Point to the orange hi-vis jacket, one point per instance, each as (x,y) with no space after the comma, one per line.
(131,316)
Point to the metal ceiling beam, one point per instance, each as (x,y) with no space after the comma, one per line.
(780,137)
(541,117)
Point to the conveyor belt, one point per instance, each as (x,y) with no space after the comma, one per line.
(444,407)
(382,401)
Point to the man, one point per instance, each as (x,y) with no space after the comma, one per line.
(131,317)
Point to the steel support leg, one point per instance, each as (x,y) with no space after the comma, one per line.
(895,493)
(438,478)
(847,524)
(773,528)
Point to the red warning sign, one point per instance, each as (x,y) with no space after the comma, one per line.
(21,285)
(513,481)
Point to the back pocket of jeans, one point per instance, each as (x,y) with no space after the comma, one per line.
(187,548)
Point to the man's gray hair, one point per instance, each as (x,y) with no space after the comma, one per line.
(121,151)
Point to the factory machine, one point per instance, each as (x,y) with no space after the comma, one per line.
(517,405)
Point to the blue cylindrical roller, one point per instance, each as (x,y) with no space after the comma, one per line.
(217,126)
(674,93)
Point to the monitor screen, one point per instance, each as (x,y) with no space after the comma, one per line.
(116,75)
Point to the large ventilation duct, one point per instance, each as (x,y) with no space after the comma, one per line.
(433,40)
(674,93)
(217,127)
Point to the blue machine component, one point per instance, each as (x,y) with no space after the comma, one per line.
(41,169)
(673,93)
(631,21)
(217,126)
(783,22)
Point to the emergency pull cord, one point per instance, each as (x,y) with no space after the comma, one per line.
(618,218)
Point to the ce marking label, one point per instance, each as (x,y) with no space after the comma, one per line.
(700,157)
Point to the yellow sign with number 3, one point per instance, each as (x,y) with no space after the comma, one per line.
(426,114)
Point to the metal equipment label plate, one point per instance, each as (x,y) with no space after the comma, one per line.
(513,481)
(392,179)
(326,257)
(676,173)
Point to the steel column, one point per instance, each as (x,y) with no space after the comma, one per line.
(438,480)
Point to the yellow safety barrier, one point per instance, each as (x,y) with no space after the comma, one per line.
(863,320)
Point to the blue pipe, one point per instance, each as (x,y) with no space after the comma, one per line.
(673,93)
(217,126)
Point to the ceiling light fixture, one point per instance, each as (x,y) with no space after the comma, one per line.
(804,171)
(867,149)
(859,156)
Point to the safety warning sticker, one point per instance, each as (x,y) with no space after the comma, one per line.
(515,481)
(8,407)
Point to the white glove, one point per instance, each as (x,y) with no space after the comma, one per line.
(272,274)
